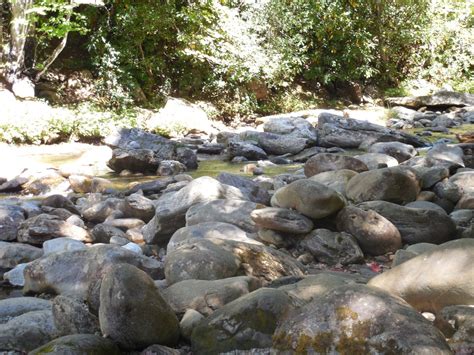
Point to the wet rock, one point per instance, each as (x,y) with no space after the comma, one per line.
(250,189)
(397,150)
(64,273)
(11,308)
(228,211)
(282,219)
(129,297)
(336,180)
(27,331)
(44,227)
(11,218)
(328,162)
(347,319)
(207,296)
(246,150)
(395,184)
(375,234)
(244,324)
(310,198)
(332,247)
(447,271)
(79,344)
(278,144)
(208,230)
(72,317)
(415,225)
(171,208)
(12,254)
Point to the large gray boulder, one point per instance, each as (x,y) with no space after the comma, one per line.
(235,212)
(293,126)
(398,185)
(414,224)
(356,319)
(12,254)
(71,273)
(132,311)
(336,179)
(10,219)
(453,154)
(279,144)
(207,296)
(401,152)
(249,188)
(310,198)
(171,208)
(435,279)
(328,162)
(246,150)
(244,324)
(337,131)
(375,234)
(27,331)
(214,259)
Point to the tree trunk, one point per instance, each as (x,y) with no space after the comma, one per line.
(18,33)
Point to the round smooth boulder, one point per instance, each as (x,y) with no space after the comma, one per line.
(328,162)
(395,185)
(356,319)
(336,180)
(398,150)
(440,277)
(375,234)
(132,311)
(310,198)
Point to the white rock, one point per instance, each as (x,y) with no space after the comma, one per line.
(133,247)
(62,244)
(15,276)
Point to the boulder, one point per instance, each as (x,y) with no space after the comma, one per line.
(377,160)
(79,344)
(100,211)
(170,167)
(447,273)
(72,317)
(207,296)
(328,162)
(11,308)
(464,181)
(59,201)
(135,138)
(398,185)
(336,180)
(278,144)
(247,150)
(208,230)
(71,273)
(59,245)
(332,247)
(356,319)
(310,198)
(444,152)
(415,225)
(128,297)
(440,99)
(244,324)
(103,232)
(135,160)
(171,208)
(375,234)
(15,276)
(44,227)
(138,206)
(250,189)
(12,254)
(293,126)
(282,219)
(10,219)
(401,152)
(337,131)
(27,331)
(228,211)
